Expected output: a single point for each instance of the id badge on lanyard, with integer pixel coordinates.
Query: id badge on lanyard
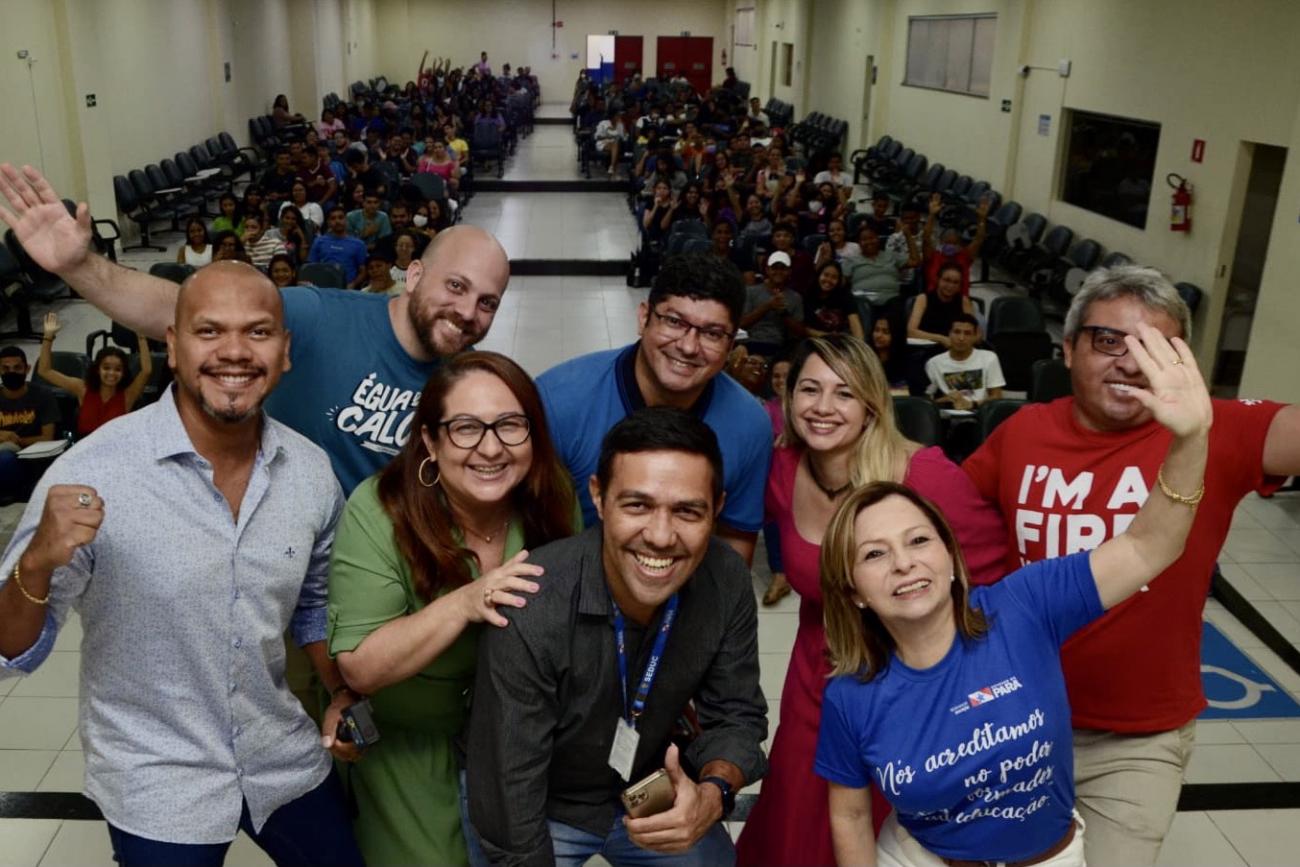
(622, 755)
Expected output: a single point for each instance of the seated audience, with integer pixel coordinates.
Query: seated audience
(231, 216)
(687, 326)
(876, 275)
(774, 313)
(227, 247)
(658, 214)
(754, 222)
(28, 414)
(830, 309)
(840, 434)
(837, 246)
(933, 313)
(802, 270)
(300, 199)
(909, 223)
(283, 270)
(104, 393)
(253, 203)
(608, 139)
(379, 278)
(547, 764)
(904, 629)
(280, 114)
(892, 360)
(722, 246)
(404, 252)
(260, 245)
(277, 181)
(369, 223)
(690, 206)
(337, 246)
(197, 249)
(950, 248)
(290, 233)
(964, 377)
(879, 219)
(426, 552)
(834, 173)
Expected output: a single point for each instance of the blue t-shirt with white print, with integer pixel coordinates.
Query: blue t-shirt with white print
(352, 389)
(975, 752)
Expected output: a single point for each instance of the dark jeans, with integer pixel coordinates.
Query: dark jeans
(312, 830)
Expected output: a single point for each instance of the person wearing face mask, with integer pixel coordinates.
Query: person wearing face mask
(840, 435)
(989, 776)
(104, 393)
(950, 249)
(27, 415)
(428, 551)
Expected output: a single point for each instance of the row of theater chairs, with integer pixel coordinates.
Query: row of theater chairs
(175, 189)
(24, 283)
(819, 133)
(920, 420)
(780, 114)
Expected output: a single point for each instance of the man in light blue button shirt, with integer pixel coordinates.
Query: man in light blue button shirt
(190, 535)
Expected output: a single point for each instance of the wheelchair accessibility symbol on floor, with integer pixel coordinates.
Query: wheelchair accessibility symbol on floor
(1235, 687)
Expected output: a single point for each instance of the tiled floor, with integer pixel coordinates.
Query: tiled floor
(547, 319)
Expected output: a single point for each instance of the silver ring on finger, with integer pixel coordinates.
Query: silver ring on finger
(84, 500)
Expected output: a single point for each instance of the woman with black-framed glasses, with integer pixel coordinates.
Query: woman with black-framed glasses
(426, 551)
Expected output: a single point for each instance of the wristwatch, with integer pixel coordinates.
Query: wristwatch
(728, 794)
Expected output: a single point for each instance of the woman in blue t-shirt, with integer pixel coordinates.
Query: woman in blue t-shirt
(953, 700)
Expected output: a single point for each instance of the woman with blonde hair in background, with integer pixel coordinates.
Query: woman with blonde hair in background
(840, 435)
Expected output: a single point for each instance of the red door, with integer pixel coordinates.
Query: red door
(669, 51)
(627, 57)
(697, 59)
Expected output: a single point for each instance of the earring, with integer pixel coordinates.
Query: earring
(860, 604)
(952, 579)
(419, 474)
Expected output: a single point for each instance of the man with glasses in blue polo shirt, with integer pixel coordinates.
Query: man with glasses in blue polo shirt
(687, 326)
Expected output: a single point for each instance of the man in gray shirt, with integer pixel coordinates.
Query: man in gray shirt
(577, 698)
(190, 535)
(773, 312)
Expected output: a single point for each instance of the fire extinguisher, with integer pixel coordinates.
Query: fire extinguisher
(1180, 210)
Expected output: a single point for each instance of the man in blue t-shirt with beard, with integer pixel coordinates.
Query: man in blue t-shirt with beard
(359, 361)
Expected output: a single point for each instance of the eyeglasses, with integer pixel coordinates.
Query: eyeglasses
(467, 433)
(1107, 341)
(677, 328)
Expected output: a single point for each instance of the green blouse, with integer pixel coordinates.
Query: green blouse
(406, 787)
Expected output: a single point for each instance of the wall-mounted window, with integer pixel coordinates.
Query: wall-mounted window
(745, 27)
(950, 52)
(787, 64)
(1109, 165)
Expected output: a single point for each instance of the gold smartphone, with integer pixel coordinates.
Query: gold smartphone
(652, 795)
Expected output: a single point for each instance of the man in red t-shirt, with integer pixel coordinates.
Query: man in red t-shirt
(1071, 474)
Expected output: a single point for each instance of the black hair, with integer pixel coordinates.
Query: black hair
(700, 277)
(880, 196)
(91, 377)
(660, 429)
(354, 157)
(14, 352)
(331, 211)
(379, 255)
(966, 318)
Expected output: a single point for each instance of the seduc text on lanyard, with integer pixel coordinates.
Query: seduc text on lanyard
(634, 710)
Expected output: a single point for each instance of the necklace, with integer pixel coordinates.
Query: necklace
(831, 493)
(485, 537)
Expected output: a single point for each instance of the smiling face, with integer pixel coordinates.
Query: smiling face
(657, 514)
(455, 289)
(1099, 402)
(901, 568)
(281, 273)
(484, 474)
(111, 371)
(228, 347)
(949, 284)
(824, 412)
(682, 364)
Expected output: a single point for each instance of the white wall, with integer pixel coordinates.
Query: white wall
(519, 32)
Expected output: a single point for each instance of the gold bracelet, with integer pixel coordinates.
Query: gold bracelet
(23, 590)
(1174, 495)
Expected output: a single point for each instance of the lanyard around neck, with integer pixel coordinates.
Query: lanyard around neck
(633, 711)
